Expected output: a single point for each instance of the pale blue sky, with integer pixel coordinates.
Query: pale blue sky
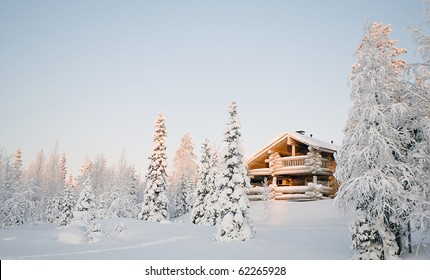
(93, 75)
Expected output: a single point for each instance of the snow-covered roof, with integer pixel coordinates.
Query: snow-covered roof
(319, 144)
(310, 141)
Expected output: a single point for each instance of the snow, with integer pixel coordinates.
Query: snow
(310, 141)
(292, 231)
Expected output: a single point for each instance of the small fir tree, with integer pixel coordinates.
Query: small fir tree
(206, 209)
(68, 203)
(85, 208)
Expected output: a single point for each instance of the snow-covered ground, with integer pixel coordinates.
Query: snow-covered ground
(291, 231)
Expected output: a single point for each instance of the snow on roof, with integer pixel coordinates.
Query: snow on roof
(310, 141)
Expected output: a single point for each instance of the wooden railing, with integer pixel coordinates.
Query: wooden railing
(293, 161)
(324, 163)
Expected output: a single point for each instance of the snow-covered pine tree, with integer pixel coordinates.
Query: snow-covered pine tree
(155, 202)
(102, 178)
(17, 167)
(36, 180)
(63, 167)
(53, 208)
(17, 200)
(21, 206)
(214, 210)
(180, 198)
(182, 178)
(206, 209)
(68, 203)
(85, 208)
(4, 192)
(235, 222)
(124, 201)
(7, 173)
(372, 170)
(366, 241)
(54, 175)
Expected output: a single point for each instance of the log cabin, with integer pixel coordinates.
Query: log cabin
(296, 166)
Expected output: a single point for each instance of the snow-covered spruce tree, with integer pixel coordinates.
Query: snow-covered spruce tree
(63, 167)
(17, 167)
(4, 193)
(85, 208)
(366, 241)
(206, 208)
(53, 208)
(182, 178)
(102, 178)
(36, 180)
(155, 202)
(67, 203)
(18, 199)
(374, 175)
(124, 201)
(21, 206)
(181, 196)
(235, 222)
(54, 175)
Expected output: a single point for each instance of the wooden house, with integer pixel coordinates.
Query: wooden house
(296, 166)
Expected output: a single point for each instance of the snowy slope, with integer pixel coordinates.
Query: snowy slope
(292, 230)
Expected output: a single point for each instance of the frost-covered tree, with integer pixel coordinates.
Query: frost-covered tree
(180, 196)
(54, 180)
(103, 180)
(419, 97)
(124, 203)
(235, 221)
(5, 192)
(155, 202)
(7, 173)
(376, 179)
(35, 178)
(63, 167)
(53, 208)
(36, 170)
(182, 179)
(266, 197)
(85, 208)
(67, 205)
(17, 167)
(366, 241)
(206, 208)
(20, 207)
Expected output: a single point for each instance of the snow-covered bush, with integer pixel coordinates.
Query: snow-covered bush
(366, 241)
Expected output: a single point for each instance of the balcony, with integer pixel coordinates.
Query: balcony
(297, 165)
